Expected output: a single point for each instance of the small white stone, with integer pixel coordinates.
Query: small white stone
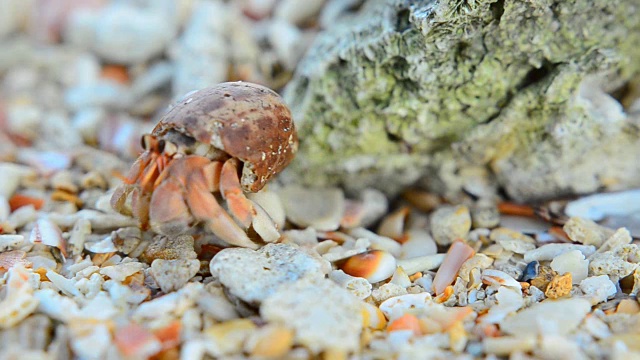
(121, 271)
(11, 242)
(171, 275)
(598, 288)
(550, 251)
(555, 316)
(572, 262)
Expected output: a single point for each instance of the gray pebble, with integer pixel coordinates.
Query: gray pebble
(171, 275)
(449, 223)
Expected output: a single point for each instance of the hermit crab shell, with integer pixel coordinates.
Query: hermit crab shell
(247, 121)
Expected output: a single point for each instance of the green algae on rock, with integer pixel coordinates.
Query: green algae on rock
(453, 93)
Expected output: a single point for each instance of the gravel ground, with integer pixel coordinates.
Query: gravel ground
(343, 278)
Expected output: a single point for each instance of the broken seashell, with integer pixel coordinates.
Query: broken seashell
(373, 317)
(19, 301)
(398, 305)
(550, 251)
(392, 225)
(358, 286)
(498, 278)
(137, 342)
(400, 278)
(374, 265)
(264, 225)
(418, 243)
(405, 322)
(48, 233)
(458, 253)
(377, 242)
(421, 263)
(271, 204)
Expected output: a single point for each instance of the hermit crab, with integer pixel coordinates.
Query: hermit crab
(209, 149)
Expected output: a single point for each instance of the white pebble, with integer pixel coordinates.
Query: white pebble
(572, 262)
(559, 316)
(598, 288)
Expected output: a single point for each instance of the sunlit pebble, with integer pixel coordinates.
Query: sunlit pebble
(375, 265)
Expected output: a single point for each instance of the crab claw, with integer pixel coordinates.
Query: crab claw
(140, 204)
(168, 212)
(204, 207)
(240, 207)
(119, 199)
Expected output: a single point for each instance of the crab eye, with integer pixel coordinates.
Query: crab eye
(146, 141)
(160, 146)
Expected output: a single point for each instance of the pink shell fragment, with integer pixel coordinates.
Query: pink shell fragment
(458, 253)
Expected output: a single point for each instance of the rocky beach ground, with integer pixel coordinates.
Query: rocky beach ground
(361, 271)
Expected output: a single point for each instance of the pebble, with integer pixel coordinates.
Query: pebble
(74, 112)
(617, 263)
(331, 321)
(530, 271)
(599, 288)
(171, 275)
(165, 248)
(253, 275)
(544, 277)
(512, 240)
(572, 262)
(121, 32)
(201, 52)
(322, 208)
(419, 243)
(586, 231)
(559, 286)
(485, 216)
(449, 223)
(563, 316)
(550, 251)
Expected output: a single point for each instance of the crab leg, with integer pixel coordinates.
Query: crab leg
(239, 206)
(204, 207)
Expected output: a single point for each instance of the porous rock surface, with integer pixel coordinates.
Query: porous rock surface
(331, 320)
(529, 95)
(252, 275)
